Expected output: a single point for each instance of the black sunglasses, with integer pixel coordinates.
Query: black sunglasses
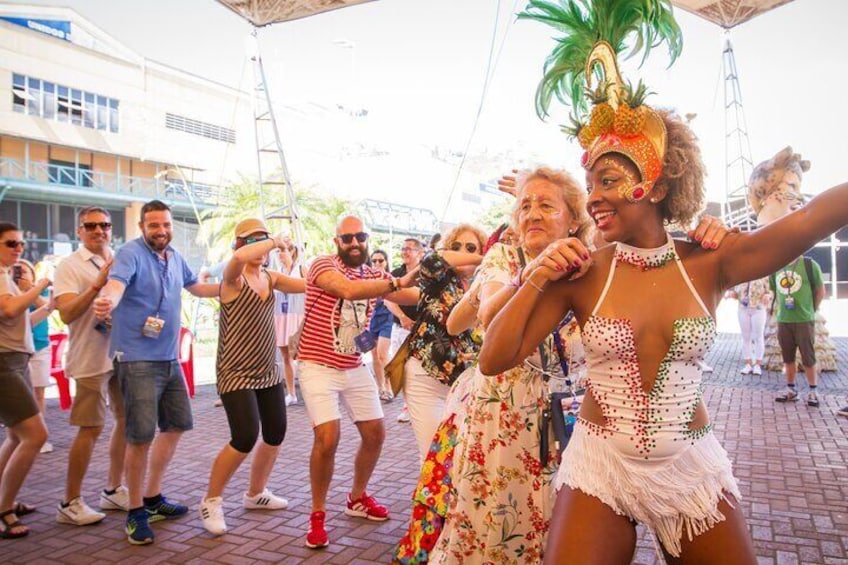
(470, 247)
(347, 238)
(91, 226)
(377, 260)
(12, 243)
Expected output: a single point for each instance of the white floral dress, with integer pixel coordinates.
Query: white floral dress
(502, 497)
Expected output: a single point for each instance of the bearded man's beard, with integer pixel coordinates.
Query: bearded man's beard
(353, 260)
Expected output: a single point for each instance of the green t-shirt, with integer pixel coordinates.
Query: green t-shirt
(792, 281)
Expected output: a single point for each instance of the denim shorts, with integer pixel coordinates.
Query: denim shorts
(153, 391)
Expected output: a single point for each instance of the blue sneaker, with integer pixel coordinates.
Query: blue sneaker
(165, 511)
(138, 528)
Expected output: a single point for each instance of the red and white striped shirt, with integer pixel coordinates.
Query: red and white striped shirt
(331, 323)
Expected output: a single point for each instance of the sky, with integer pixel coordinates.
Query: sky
(419, 68)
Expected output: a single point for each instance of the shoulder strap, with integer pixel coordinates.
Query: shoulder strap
(808, 265)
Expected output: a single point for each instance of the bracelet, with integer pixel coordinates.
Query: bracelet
(534, 285)
(516, 282)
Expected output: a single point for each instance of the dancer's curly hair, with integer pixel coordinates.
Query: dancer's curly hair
(683, 173)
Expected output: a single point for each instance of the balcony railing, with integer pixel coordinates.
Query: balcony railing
(143, 187)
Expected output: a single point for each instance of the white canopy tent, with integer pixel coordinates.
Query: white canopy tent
(265, 12)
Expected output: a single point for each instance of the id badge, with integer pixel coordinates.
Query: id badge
(789, 303)
(153, 327)
(365, 342)
(570, 411)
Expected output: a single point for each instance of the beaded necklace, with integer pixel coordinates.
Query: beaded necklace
(647, 259)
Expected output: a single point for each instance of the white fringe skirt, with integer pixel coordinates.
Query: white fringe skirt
(672, 496)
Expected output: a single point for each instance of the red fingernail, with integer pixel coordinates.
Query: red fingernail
(698, 238)
(586, 256)
(576, 264)
(715, 245)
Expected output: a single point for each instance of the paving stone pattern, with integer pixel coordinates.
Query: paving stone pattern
(790, 460)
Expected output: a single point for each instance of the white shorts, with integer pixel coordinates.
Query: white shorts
(322, 387)
(39, 367)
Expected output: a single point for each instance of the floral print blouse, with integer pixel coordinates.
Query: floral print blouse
(443, 356)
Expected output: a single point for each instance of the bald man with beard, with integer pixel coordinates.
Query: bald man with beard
(340, 293)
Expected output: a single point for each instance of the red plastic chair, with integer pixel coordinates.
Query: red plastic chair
(58, 343)
(186, 353)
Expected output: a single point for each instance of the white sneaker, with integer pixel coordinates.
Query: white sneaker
(46, 448)
(265, 500)
(291, 399)
(757, 370)
(212, 514)
(78, 513)
(403, 417)
(119, 500)
(747, 369)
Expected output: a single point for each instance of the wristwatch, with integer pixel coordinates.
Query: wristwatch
(393, 285)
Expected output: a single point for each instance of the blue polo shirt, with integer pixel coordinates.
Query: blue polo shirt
(152, 283)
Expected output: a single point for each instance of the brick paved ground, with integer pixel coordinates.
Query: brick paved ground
(790, 459)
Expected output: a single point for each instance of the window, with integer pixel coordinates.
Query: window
(64, 104)
(102, 113)
(19, 93)
(76, 107)
(203, 129)
(51, 101)
(113, 115)
(49, 90)
(89, 110)
(34, 96)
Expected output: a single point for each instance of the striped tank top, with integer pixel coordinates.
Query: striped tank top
(247, 344)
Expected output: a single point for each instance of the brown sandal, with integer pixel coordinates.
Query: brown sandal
(9, 525)
(22, 508)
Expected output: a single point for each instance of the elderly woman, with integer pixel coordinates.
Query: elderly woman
(496, 485)
(437, 358)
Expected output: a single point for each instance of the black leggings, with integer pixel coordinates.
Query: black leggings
(247, 408)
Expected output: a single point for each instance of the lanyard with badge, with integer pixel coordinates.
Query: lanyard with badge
(154, 324)
(790, 275)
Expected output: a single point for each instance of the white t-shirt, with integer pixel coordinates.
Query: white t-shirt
(15, 333)
(88, 349)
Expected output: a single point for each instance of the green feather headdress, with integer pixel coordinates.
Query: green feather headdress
(583, 23)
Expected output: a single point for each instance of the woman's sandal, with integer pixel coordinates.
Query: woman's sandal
(9, 525)
(22, 508)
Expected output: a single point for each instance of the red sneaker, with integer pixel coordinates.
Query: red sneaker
(366, 507)
(316, 537)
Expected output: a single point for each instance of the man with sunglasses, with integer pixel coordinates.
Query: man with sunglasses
(19, 412)
(79, 277)
(143, 297)
(340, 293)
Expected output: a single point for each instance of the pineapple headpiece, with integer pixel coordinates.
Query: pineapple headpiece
(594, 32)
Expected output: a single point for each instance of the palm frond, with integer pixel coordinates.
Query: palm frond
(640, 24)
